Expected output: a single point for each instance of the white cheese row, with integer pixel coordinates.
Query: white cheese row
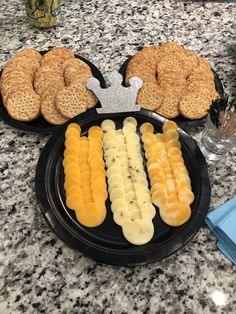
(127, 182)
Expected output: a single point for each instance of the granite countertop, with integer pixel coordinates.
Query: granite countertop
(40, 274)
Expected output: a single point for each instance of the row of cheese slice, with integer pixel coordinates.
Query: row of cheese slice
(130, 197)
(85, 176)
(169, 179)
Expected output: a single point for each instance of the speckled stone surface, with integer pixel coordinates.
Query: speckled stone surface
(38, 273)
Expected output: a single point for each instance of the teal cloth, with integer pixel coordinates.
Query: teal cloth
(222, 221)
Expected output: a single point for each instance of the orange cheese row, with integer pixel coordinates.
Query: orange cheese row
(85, 176)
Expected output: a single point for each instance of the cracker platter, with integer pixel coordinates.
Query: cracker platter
(178, 84)
(38, 77)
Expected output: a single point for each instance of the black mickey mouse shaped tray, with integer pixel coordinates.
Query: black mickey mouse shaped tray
(123, 188)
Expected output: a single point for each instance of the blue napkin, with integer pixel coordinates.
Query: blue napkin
(222, 221)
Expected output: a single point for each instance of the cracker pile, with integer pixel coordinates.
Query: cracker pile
(176, 81)
(18, 94)
(52, 84)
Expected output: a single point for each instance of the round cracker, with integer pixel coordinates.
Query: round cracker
(32, 62)
(21, 67)
(21, 62)
(177, 89)
(16, 74)
(50, 111)
(153, 52)
(190, 61)
(56, 82)
(74, 76)
(75, 70)
(29, 52)
(150, 96)
(171, 63)
(147, 57)
(201, 73)
(63, 51)
(171, 46)
(60, 53)
(86, 95)
(75, 64)
(167, 81)
(208, 92)
(81, 78)
(170, 103)
(14, 88)
(196, 84)
(202, 62)
(52, 60)
(49, 90)
(14, 81)
(194, 105)
(69, 103)
(23, 105)
(53, 67)
(142, 71)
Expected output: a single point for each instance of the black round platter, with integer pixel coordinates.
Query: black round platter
(106, 243)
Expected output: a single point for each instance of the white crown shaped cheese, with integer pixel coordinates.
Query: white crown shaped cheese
(116, 98)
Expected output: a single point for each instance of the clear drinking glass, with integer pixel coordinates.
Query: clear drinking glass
(43, 13)
(214, 144)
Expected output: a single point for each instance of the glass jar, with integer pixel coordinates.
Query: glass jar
(43, 13)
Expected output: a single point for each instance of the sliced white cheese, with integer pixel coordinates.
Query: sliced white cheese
(119, 204)
(117, 194)
(130, 120)
(139, 231)
(108, 124)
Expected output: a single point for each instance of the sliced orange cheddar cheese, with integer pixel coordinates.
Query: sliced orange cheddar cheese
(95, 131)
(71, 182)
(72, 168)
(74, 200)
(75, 126)
(71, 151)
(74, 189)
(99, 195)
(84, 139)
(71, 141)
(84, 169)
(73, 131)
(148, 138)
(96, 162)
(91, 215)
(70, 159)
(82, 160)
